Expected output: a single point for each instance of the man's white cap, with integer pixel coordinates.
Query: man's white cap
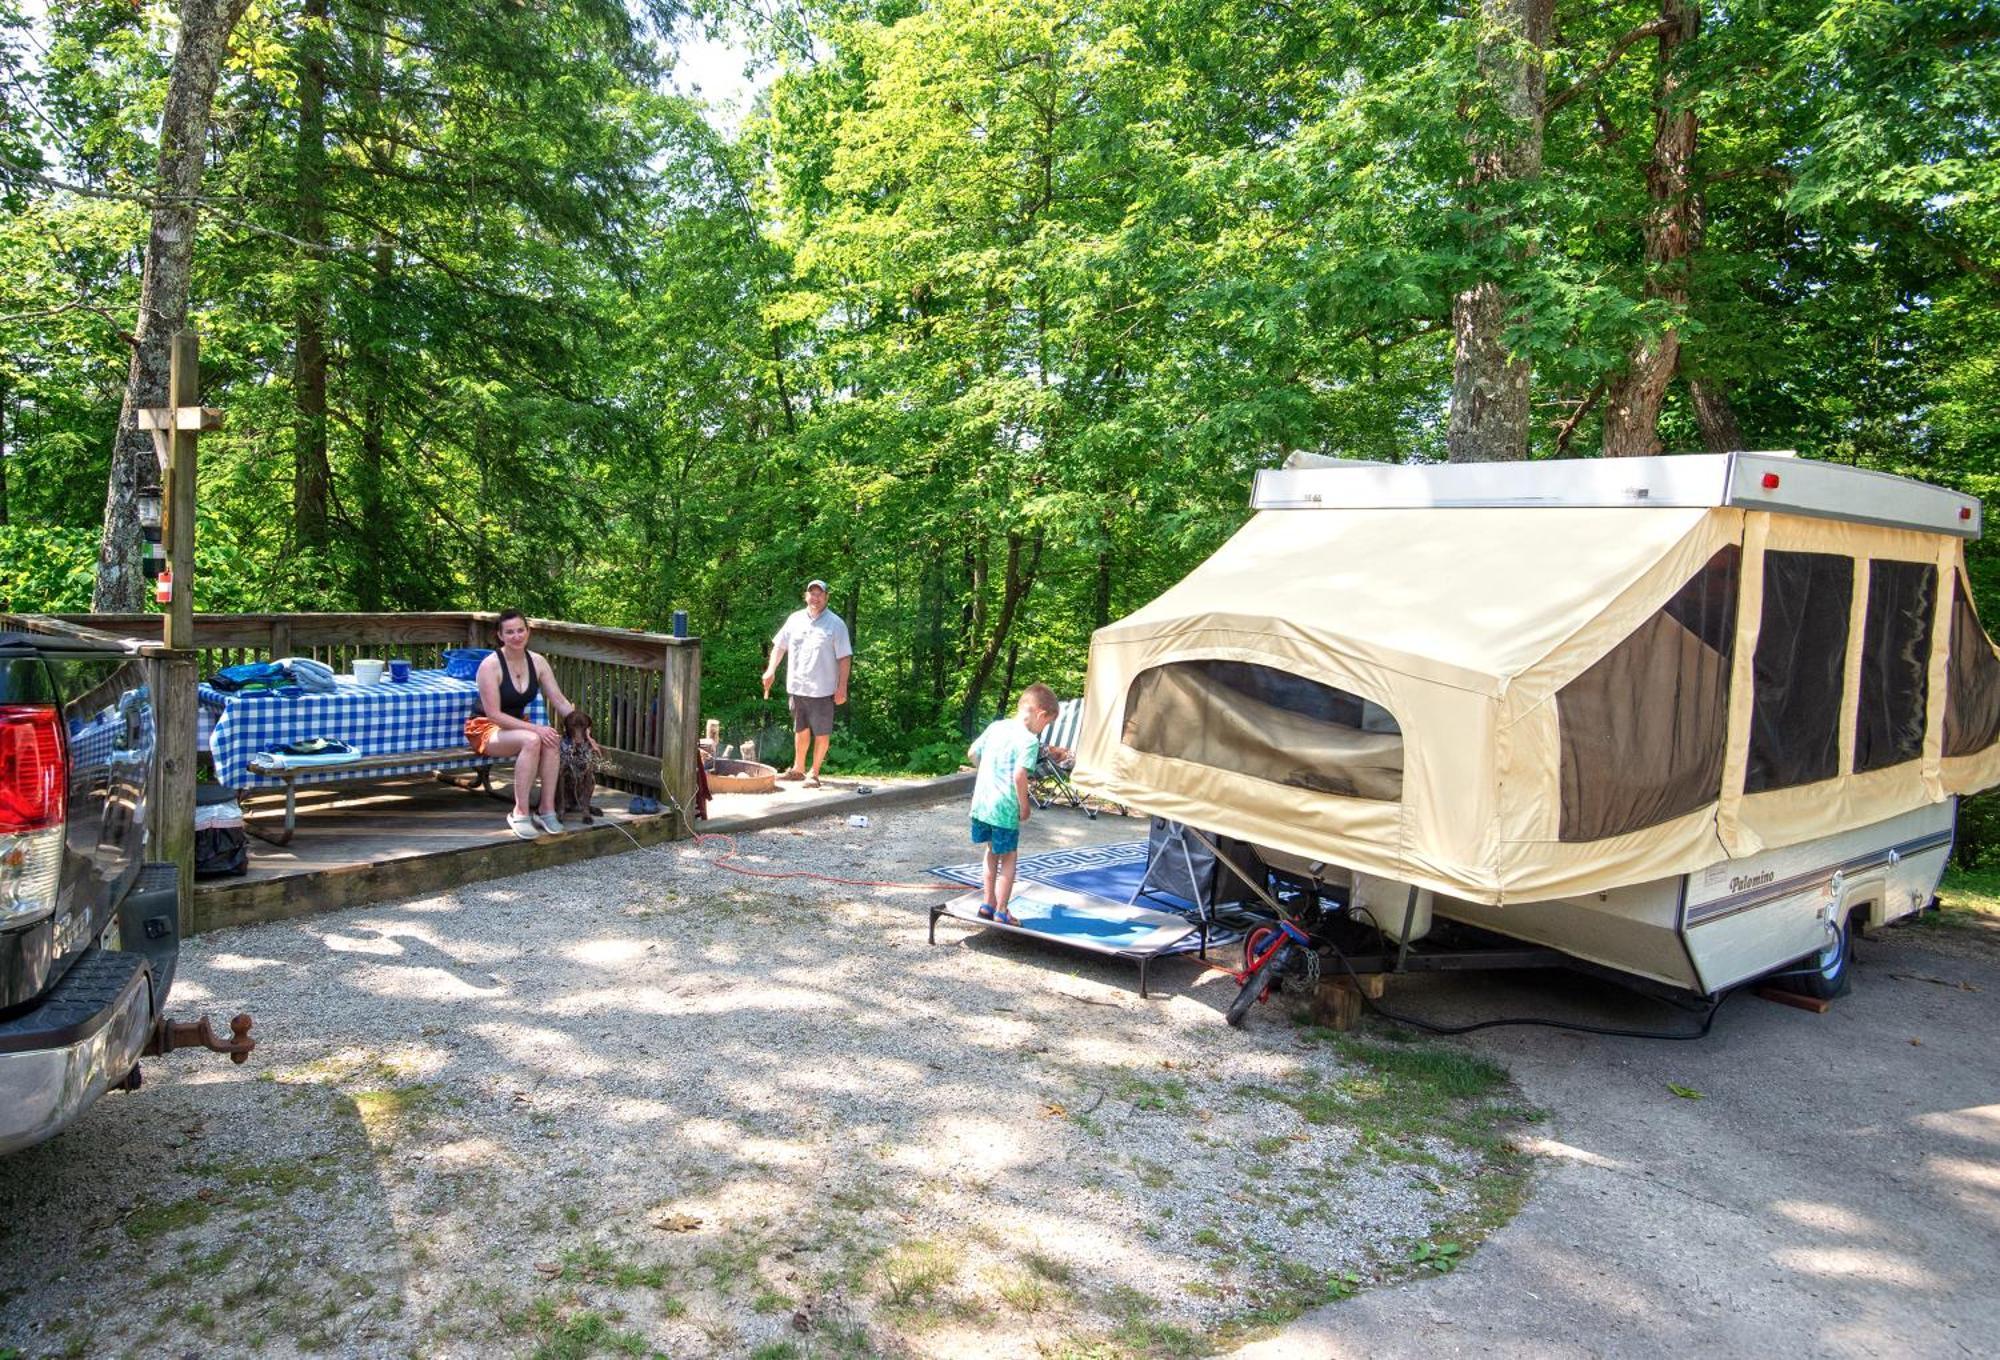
(815, 582)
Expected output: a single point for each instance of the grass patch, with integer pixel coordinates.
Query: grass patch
(1973, 892)
(1170, 1096)
(1140, 1332)
(387, 1110)
(562, 1331)
(598, 1264)
(915, 1272)
(149, 1221)
(1401, 1095)
(1046, 1267)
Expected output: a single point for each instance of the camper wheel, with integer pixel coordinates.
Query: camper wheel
(1829, 973)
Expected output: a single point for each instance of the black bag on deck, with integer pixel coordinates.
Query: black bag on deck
(221, 852)
(1172, 855)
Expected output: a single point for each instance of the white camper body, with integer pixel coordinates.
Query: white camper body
(1689, 718)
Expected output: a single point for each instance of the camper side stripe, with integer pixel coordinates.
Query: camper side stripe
(1705, 912)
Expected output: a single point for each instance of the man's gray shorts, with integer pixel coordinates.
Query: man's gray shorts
(814, 712)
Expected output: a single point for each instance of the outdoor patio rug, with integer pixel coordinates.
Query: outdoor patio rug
(1108, 873)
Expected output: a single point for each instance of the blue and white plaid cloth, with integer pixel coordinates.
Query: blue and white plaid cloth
(424, 713)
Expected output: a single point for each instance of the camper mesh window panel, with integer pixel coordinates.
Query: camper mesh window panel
(1642, 730)
(1895, 663)
(1268, 724)
(1801, 666)
(1972, 685)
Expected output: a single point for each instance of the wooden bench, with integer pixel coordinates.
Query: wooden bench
(365, 770)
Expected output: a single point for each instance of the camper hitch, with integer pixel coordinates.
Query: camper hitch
(169, 1035)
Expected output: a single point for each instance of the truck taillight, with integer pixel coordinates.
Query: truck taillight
(34, 784)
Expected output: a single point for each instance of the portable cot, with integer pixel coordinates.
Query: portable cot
(1508, 683)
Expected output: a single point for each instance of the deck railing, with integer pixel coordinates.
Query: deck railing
(642, 690)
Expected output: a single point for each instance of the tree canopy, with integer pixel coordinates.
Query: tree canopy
(987, 311)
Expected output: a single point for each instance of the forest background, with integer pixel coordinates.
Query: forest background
(985, 311)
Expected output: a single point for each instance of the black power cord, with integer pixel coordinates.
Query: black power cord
(1540, 1022)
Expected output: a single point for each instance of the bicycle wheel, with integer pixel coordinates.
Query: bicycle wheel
(1256, 983)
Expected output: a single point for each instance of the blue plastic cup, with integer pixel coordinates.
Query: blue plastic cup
(399, 669)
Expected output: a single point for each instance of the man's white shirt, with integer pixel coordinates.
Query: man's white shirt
(813, 651)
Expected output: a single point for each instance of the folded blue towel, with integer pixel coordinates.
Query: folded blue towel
(311, 675)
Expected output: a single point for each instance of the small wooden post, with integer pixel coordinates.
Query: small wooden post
(1336, 1003)
(680, 709)
(281, 638)
(183, 393)
(176, 430)
(175, 723)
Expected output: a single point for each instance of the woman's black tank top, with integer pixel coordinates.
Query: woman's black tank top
(514, 702)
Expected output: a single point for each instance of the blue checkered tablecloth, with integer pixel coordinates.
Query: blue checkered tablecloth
(424, 713)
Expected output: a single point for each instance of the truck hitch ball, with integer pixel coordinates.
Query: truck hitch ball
(173, 1034)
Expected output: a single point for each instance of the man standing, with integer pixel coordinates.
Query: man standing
(816, 641)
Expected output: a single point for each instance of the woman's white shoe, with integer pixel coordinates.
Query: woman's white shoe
(549, 822)
(522, 825)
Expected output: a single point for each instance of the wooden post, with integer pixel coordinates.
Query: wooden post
(680, 710)
(281, 638)
(183, 392)
(170, 816)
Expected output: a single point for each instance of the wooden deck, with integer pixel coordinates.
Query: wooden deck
(381, 842)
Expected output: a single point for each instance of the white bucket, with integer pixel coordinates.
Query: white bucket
(368, 670)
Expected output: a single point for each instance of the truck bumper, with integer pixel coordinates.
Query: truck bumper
(83, 1039)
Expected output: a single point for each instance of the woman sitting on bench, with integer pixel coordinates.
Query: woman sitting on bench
(509, 680)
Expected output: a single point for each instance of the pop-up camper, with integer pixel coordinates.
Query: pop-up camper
(1685, 717)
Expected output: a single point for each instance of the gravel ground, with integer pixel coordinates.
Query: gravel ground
(647, 1105)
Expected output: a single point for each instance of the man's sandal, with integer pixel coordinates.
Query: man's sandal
(522, 825)
(1005, 917)
(985, 911)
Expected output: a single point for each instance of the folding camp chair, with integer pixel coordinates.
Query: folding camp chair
(1048, 782)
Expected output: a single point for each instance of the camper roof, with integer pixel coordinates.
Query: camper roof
(1777, 481)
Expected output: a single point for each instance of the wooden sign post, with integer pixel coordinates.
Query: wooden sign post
(175, 429)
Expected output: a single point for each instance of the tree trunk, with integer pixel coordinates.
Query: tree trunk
(374, 377)
(1720, 432)
(163, 290)
(4, 394)
(1019, 580)
(1100, 597)
(312, 477)
(1489, 386)
(1632, 403)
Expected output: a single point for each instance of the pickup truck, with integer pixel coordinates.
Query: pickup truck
(89, 930)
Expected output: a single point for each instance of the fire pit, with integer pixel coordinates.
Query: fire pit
(741, 776)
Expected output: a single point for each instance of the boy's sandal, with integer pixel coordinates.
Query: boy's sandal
(1005, 917)
(521, 826)
(985, 911)
(812, 781)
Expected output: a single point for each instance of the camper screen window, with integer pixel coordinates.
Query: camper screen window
(1895, 663)
(1801, 667)
(1643, 729)
(1268, 724)
(1972, 695)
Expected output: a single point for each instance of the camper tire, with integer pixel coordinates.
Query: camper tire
(1829, 973)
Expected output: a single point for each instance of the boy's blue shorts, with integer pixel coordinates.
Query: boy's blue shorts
(1004, 840)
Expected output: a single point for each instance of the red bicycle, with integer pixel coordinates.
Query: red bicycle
(1267, 952)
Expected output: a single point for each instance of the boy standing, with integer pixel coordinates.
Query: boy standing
(1006, 753)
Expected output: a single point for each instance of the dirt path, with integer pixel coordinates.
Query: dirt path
(645, 1105)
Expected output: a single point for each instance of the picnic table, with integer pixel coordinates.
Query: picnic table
(422, 718)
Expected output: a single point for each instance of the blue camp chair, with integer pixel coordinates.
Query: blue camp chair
(1049, 782)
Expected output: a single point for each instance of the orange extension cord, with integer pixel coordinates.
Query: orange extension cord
(721, 861)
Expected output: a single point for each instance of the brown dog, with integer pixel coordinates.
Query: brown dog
(576, 773)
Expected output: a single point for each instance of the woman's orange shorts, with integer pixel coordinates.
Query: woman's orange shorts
(479, 730)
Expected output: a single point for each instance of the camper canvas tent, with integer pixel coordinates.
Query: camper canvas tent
(1514, 683)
